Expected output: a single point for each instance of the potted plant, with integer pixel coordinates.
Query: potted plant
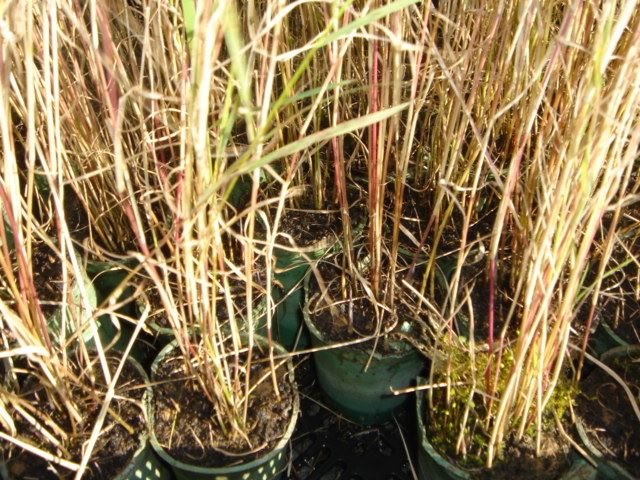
(355, 296)
(498, 390)
(225, 400)
(61, 389)
(303, 237)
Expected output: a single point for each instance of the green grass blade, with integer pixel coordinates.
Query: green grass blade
(323, 135)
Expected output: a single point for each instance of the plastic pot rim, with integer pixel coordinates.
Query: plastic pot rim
(321, 246)
(290, 249)
(259, 310)
(611, 465)
(616, 352)
(143, 437)
(426, 445)
(242, 467)
(401, 347)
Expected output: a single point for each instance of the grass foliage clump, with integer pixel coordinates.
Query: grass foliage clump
(493, 146)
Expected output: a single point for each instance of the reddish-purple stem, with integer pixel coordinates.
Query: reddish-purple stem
(373, 168)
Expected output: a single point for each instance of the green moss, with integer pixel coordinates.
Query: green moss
(445, 421)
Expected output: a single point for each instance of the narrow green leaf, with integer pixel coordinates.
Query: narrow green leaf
(370, 17)
(189, 14)
(326, 134)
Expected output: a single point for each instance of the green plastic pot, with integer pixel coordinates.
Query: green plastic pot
(145, 464)
(269, 466)
(604, 339)
(162, 336)
(287, 327)
(240, 194)
(433, 466)
(363, 396)
(76, 309)
(607, 469)
(292, 267)
(107, 277)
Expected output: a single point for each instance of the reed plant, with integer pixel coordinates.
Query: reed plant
(56, 390)
(537, 134)
(227, 103)
(381, 67)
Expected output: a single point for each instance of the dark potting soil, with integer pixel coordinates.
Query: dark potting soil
(46, 268)
(309, 227)
(473, 279)
(413, 218)
(157, 312)
(47, 278)
(185, 420)
(75, 215)
(517, 459)
(607, 415)
(348, 319)
(337, 329)
(619, 309)
(115, 446)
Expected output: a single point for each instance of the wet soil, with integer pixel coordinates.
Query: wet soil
(607, 415)
(185, 420)
(114, 448)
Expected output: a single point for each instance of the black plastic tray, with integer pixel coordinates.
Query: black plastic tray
(325, 446)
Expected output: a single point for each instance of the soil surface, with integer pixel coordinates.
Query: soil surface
(308, 227)
(75, 215)
(185, 420)
(46, 269)
(347, 319)
(114, 448)
(607, 415)
(516, 460)
(519, 460)
(474, 280)
(413, 218)
(47, 278)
